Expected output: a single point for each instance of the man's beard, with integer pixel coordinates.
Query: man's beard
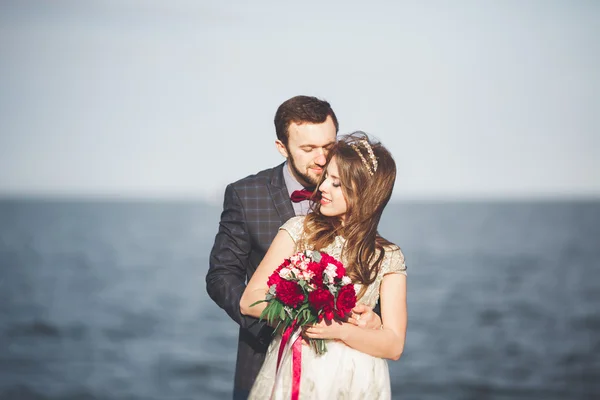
(311, 180)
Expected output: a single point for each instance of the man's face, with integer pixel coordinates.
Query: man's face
(307, 149)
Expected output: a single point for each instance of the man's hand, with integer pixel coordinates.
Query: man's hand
(364, 317)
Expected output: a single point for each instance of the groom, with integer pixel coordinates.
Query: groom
(253, 210)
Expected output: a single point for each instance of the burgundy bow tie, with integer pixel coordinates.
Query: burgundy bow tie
(300, 195)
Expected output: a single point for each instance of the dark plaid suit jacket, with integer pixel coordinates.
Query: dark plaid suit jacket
(253, 210)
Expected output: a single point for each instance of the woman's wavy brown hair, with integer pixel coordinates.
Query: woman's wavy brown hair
(366, 196)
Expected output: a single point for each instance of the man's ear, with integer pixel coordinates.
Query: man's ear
(281, 148)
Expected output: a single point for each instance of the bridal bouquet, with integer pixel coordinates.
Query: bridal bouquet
(305, 289)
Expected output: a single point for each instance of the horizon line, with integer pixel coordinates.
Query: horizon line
(182, 198)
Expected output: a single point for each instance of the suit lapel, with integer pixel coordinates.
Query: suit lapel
(280, 195)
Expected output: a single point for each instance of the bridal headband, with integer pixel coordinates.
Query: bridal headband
(370, 168)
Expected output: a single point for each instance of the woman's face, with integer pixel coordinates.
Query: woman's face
(333, 203)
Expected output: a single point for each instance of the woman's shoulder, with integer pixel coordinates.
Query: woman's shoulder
(294, 221)
(294, 226)
(392, 248)
(394, 261)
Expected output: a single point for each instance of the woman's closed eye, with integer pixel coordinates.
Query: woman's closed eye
(334, 182)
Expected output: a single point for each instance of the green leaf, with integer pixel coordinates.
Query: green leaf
(282, 314)
(273, 312)
(300, 319)
(316, 256)
(264, 313)
(258, 302)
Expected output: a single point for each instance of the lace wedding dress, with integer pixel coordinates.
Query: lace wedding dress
(342, 372)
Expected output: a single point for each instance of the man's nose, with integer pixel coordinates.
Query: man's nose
(321, 159)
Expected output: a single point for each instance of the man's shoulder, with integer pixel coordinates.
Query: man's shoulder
(261, 178)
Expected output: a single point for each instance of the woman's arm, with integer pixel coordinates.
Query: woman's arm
(387, 342)
(281, 248)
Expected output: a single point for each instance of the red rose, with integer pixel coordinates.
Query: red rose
(329, 315)
(340, 271)
(289, 293)
(284, 264)
(317, 269)
(346, 300)
(274, 279)
(321, 300)
(327, 259)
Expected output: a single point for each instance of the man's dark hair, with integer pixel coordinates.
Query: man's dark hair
(301, 110)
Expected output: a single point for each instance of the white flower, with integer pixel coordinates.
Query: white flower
(285, 273)
(331, 272)
(302, 265)
(272, 292)
(346, 280)
(297, 258)
(307, 275)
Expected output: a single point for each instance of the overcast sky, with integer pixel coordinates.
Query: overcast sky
(176, 98)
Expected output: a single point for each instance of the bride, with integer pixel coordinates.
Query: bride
(354, 190)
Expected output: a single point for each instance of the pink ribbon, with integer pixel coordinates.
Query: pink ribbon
(296, 359)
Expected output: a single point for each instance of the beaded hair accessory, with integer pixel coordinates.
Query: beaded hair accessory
(370, 168)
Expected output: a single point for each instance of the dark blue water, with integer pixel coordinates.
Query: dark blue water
(103, 300)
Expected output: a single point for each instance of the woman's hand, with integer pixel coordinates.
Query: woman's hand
(326, 330)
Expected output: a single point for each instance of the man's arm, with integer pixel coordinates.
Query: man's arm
(226, 277)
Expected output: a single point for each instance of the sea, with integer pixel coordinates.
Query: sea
(106, 299)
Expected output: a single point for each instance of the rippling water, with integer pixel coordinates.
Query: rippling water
(107, 301)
